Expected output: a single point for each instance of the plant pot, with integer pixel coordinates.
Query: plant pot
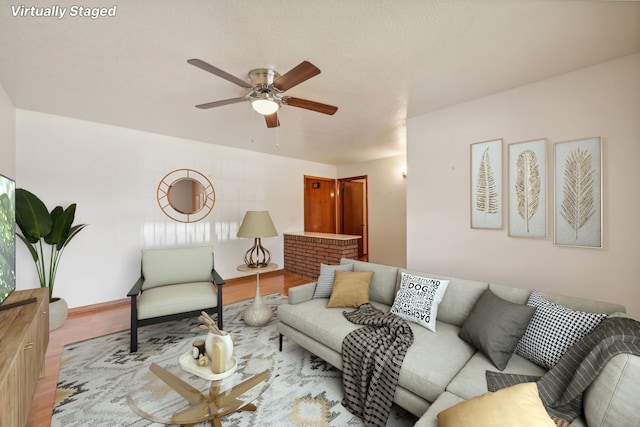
(58, 310)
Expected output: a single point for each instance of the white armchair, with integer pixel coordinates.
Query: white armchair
(175, 283)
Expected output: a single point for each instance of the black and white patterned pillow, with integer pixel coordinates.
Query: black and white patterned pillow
(552, 330)
(324, 285)
(418, 298)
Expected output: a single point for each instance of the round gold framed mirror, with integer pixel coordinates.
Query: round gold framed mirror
(186, 195)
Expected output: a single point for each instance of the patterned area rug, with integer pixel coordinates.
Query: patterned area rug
(306, 391)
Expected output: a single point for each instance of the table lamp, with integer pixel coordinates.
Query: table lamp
(257, 224)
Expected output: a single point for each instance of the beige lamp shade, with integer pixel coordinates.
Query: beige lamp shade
(257, 224)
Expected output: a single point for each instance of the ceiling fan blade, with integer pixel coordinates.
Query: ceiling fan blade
(220, 103)
(298, 74)
(272, 120)
(218, 72)
(310, 105)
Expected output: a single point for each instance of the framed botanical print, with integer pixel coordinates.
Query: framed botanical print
(578, 193)
(527, 188)
(486, 184)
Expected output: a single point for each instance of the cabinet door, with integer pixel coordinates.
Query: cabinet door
(18, 388)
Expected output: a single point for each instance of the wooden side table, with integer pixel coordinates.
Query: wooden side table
(258, 313)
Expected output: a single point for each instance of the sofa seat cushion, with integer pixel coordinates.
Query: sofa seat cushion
(429, 365)
(314, 319)
(471, 381)
(433, 360)
(444, 401)
(180, 298)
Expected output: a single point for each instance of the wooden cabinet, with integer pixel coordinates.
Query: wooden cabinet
(24, 336)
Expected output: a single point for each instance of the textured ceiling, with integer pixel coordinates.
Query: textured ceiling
(382, 62)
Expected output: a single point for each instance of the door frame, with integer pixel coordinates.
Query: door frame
(340, 207)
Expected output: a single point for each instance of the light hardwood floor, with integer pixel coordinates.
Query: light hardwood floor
(102, 319)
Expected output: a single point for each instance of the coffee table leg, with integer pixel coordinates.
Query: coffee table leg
(214, 401)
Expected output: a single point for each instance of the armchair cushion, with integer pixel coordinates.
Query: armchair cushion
(162, 267)
(171, 299)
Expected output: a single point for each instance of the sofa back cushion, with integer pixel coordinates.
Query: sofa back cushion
(520, 296)
(459, 299)
(171, 266)
(383, 282)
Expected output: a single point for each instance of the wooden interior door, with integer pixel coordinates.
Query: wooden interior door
(354, 211)
(319, 204)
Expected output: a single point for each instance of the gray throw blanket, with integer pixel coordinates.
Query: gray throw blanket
(561, 388)
(371, 361)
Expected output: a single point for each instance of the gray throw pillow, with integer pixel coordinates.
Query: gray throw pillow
(324, 285)
(495, 326)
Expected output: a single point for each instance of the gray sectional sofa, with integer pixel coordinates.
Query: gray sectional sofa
(440, 369)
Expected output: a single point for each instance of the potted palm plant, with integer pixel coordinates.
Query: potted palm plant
(41, 228)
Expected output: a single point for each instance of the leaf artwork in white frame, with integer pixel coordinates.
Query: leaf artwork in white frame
(578, 193)
(486, 184)
(527, 188)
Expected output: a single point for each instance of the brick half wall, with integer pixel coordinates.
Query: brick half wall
(303, 254)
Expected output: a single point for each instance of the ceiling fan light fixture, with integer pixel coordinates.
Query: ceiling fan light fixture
(265, 106)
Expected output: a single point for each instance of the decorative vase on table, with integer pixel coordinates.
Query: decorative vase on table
(226, 340)
(58, 310)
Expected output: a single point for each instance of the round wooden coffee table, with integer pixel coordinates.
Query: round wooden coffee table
(163, 392)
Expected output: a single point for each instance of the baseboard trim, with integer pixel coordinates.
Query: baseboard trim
(88, 309)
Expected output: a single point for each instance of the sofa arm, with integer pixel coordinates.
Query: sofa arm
(301, 293)
(612, 399)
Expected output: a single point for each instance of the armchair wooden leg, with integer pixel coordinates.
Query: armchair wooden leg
(134, 339)
(219, 309)
(133, 347)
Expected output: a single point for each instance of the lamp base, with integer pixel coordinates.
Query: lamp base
(258, 313)
(257, 256)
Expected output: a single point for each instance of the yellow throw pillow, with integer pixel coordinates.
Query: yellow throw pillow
(350, 289)
(515, 406)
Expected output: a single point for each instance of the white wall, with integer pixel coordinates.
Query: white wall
(602, 100)
(7, 135)
(112, 173)
(387, 207)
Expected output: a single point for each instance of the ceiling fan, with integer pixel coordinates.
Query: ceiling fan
(266, 90)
